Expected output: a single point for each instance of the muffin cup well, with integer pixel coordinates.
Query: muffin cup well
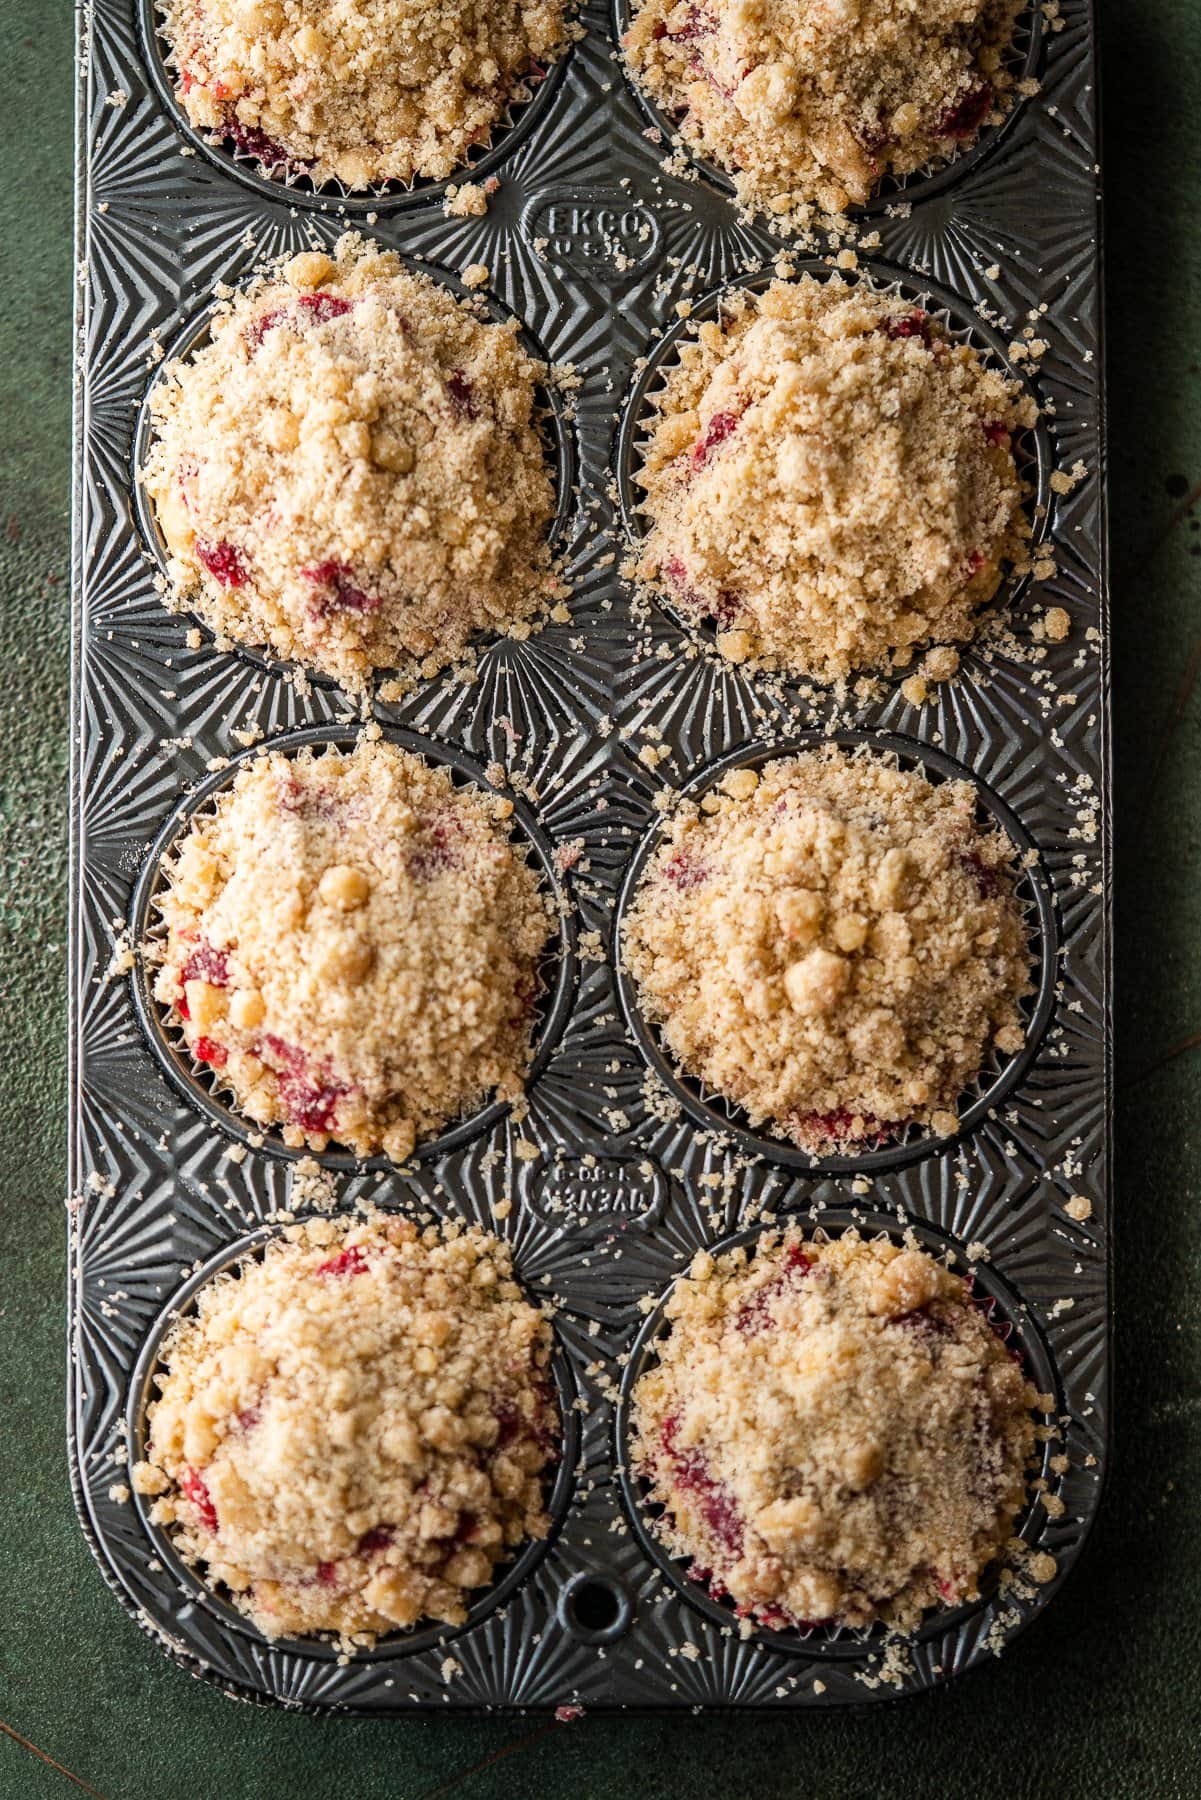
(552, 419)
(1023, 60)
(1032, 448)
(530, 101)
(510, 1574)
(999, 1077)
(202, 1087)
(991, 1294)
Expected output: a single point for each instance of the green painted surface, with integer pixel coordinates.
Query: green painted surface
(1101, 1696)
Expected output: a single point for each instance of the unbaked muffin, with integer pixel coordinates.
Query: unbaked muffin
(350, 470)
(830, 478)
(360, 94)
(351, 942)
(808, 103)
(351, 1431)
(834, 943)
(835, 1432)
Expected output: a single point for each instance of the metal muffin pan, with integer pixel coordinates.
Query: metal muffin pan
(614, 1179)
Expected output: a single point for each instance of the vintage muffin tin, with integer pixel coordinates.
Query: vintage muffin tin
(614, 1178)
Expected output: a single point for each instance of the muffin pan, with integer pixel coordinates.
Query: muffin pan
(617, 1172)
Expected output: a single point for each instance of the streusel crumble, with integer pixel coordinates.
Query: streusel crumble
(351, 1431)
(833, 943)
(352, 944)
(363, 94)
(835, 1432)
(809, 103)
(830, 477)
(351, 472)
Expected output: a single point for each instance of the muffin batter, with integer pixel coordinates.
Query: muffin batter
(836, 946)
(837, 1435)
(350, 471)
(381, 90)
(351, 944)
(808, 103)
(352, 1430)
(831, 479)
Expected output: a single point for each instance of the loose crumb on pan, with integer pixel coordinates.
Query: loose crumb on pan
(830, 478)
(833, 943)
(361, 94)
(835, 1432)
(350, 471)
(351, 943)
(352, 1430)
(810, 103)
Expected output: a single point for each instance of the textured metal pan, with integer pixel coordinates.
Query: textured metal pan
(614, 1181)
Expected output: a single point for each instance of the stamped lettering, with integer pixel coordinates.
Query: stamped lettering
(601, 232)
(611, 1189)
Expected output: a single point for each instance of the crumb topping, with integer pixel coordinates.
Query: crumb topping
(835, 1432)
(830, 478)
(351, 1430)
(834, 943)
(350, 471)
(362, 94)
(812, 102)
(352, 945)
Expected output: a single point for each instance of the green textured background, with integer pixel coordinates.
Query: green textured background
(1101, 1695)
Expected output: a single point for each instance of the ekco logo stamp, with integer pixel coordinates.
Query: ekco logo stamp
(610, 1189)
(601, 232)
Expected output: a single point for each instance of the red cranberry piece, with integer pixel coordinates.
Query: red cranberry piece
(658, 31)
(683, 871)
(322, 307)
(963, 119)
(996, 431)
(206, 964)
(754, 1315)
(372, 1542)
(461, 394)
(508, 1420)
(924, 1322)
(467, 1531)
(441, 848)
(309, 1101)
(726, 608)
(817, 1131)
(193, 1485)
(719, 428)
(327, 1574)
(677, 575)
(915, 324)
(258, 329)
(247, 1420)
(690, 1472)
(348, 1261)
(304, 801)
(988, 885)
(253, 142)
(209, 1050)
(697, 24)
(340, 593)
(873, 135)
(224, 562)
